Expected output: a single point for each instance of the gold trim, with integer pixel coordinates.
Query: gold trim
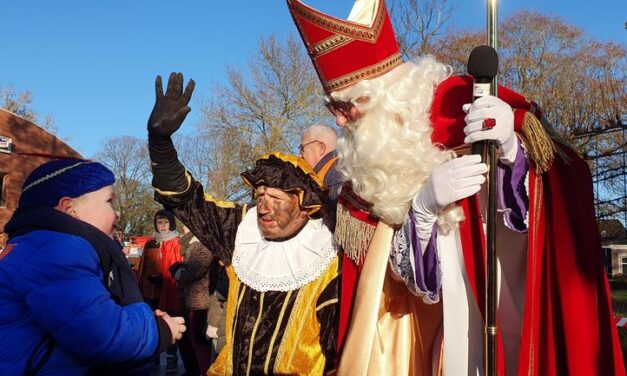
(538, 204)
(352, 234)
(330, 44)
(302, 325)
(239, 302)
(252, 335)
(304, 297)
(241, 296)
(370, 72)
(301, 165)
(538, 143)
(296, 161)
(537, 207)
(170, 193)
(335, 25)
(276, 332)
(461, 150)
(219, 203)
(327, 303)
(224, 363)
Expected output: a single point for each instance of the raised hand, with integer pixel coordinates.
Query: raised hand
(170, 109)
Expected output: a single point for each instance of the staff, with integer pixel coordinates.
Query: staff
(491, 266)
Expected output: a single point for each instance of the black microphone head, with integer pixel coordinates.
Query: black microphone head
(483, 63)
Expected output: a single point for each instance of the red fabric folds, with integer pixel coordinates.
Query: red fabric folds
(170, 254)
(568, 326)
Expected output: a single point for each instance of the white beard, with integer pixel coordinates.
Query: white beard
(387, 164)
(387, 154)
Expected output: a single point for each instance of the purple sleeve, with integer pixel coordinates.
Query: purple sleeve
(513, 200)
(419, 270)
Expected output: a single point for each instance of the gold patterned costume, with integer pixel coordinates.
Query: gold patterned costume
(283, 295)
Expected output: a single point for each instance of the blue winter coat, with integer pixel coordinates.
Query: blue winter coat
(53, 283)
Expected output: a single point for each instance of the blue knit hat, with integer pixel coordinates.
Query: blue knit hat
(53, 180)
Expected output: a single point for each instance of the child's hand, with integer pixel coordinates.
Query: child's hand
(176, 325)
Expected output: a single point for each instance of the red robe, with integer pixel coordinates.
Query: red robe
(567, 326)
(169, 300)
(568, 322)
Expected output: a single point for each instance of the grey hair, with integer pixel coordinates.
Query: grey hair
(323, 133)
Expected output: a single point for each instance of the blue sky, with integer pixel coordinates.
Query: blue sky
(91, 64)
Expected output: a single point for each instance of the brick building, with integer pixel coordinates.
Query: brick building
(23, 146)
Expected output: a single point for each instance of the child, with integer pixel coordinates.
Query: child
(69, 303)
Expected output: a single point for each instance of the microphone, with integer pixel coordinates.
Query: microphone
(483, 65)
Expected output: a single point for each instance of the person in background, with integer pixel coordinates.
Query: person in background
(167, 248)
(216, 314)
(166, 240)
(192, 276)
(150, 279)
(317, 147)
(69, 302)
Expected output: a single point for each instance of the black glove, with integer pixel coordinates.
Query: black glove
(170, 109)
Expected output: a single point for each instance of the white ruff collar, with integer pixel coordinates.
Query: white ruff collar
(281, 266)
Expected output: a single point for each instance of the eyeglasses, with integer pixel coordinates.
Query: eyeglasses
(339, 107)
(302, 147)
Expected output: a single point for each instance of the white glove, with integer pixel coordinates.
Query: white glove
(212, 332)
(451, 181)
(491, 107)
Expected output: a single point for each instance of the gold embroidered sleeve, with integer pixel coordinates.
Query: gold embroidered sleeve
(213, 222)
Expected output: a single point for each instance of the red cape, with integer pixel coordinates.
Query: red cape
(567, 325)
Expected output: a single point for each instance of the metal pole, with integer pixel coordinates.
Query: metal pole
(491, 262)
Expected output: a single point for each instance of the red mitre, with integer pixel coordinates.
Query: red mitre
(447, 116)
(345, 52)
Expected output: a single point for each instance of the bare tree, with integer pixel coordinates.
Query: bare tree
(582, 87)
(455, 48)
(418, 24)
(580, 83)
(261, 109)
(194, 151)
(128, 158)
(20, 103)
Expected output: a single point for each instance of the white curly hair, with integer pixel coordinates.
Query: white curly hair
(387, 154)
